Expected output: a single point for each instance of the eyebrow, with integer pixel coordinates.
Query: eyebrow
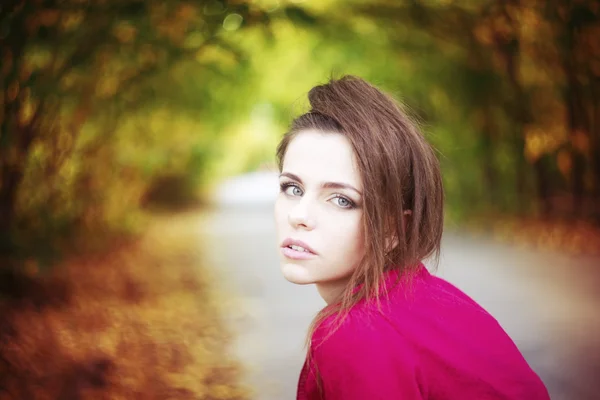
(325, 185)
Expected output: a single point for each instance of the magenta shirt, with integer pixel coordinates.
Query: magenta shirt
(428, 341)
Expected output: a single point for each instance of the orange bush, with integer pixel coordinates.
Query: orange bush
(569, 237)
(139, 323)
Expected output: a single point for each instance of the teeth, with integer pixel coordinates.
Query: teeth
(297, 248)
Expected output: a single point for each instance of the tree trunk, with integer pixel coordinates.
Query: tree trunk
(490, 173)
(595, 149)
(12, 16)
(578, 122)
(578, 129)
(518, 109)
(543, 186)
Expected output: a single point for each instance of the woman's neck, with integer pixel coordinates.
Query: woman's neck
(331, 291)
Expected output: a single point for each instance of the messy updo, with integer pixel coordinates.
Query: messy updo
(402, 186)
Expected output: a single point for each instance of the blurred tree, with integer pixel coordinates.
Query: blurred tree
(576, 26)
(91, 87)
(526, 77)
(71, 62)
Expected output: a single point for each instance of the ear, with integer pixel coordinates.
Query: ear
(391, 241)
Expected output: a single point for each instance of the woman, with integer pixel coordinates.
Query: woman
(361, 204)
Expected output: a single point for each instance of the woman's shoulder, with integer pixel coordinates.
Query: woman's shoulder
(361, 354)
(367, 323)
(364, 328)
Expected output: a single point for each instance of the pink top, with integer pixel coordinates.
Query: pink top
(428, 341)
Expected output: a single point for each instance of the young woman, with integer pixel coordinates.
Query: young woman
(361, 204)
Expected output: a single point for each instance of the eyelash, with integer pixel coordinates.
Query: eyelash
(285, 185)
(351, 204)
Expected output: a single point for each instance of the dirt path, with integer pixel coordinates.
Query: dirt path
(546, 302)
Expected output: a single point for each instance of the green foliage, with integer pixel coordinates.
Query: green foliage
(300, 16)
(102, 101)
(504, 82)
(82, 79)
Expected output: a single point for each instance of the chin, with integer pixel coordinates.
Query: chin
(295, 273)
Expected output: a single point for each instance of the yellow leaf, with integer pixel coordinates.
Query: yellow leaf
(125, 33)
(12, 91)
(187, 12)
(564, 162)
(581, 141)
(7, 61)
(48, 17)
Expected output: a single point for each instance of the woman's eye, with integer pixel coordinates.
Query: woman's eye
(291, 189)
(343, 202)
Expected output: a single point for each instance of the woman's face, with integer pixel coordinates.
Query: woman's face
(318, 212)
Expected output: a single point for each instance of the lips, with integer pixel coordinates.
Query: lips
(297, 250)
(297, 245)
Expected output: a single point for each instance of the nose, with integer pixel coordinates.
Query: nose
(299, 216)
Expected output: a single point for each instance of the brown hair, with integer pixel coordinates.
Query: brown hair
(399, 171)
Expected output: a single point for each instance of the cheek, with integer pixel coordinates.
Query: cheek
(280, 212)
(356, 237)
(347, 234)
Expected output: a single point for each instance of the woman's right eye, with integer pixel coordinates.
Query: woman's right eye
(291, 189)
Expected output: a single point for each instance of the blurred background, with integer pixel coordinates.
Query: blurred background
(137, 177)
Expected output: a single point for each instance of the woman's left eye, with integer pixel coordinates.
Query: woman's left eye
(343, 202)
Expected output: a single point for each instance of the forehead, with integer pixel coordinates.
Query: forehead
(322, 157)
